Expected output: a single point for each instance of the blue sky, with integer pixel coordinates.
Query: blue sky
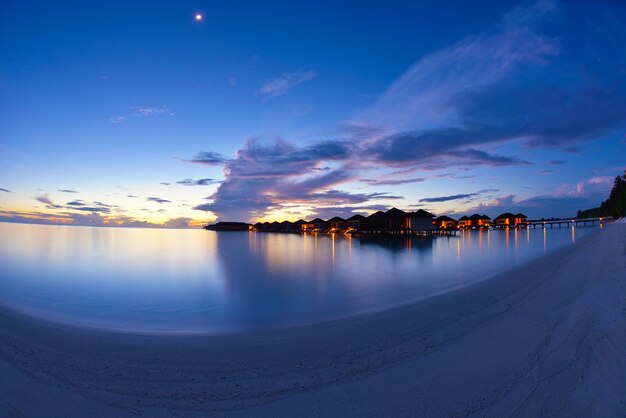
(139, 115)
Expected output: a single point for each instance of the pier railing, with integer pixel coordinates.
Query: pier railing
(560, 223)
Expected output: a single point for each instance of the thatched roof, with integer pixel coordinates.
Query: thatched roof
(421, 213)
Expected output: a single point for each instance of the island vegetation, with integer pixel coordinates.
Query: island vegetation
(614, 206)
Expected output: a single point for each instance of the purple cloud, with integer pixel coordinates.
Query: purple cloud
(392, 182)
(158, 200)
(47, 201)
(504, 85)
(562, 202)
(199, 182)
(92, 219)
(92, 209)
(81, 205)
(457, 196)
(268, 174)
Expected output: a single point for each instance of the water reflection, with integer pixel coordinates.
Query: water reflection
(399, 244)
(201, 281)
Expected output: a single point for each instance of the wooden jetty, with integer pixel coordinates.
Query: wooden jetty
(561, 223)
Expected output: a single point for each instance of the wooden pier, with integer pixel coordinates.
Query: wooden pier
(408, 232)
(564, 223)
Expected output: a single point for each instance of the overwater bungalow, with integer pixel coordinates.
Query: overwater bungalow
(321, 225)
(510, 220)
(375, 223)
(396, 220)
(316, 225)
(478, 221)
(445, 222)
(228, 226)
(297, 225)
(309, 226)
(464, 222)
(274, 226)
(420, 220)
(354, 222)
(285, 226)
(504, 220)
(393, 222)
(337, 224)
(521, 219)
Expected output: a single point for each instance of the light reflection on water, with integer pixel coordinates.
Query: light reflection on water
(157, 280)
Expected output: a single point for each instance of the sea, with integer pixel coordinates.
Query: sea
(205, 282)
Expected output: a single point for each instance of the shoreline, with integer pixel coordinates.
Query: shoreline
(540, 339)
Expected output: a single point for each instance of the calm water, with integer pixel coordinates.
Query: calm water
(200, 281)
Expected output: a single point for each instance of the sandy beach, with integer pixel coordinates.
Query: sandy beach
(544, 339)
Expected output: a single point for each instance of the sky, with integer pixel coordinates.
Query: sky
(139, 113)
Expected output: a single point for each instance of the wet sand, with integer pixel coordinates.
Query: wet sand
(544, 339)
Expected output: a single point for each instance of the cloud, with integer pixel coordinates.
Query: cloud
(67, 191)
(158, 200)
(269, 175)
(563, 202)
(164, 183)
(596, 186)
(181, 223)
(556, 162)
(345, 212)
(447, 198)
(199, 182)
(141, 112)
(232, 81)
(154, 110)
(392, 182)
(105, 205)
(287, 81)
(4, 190)
(208, 158)
(92, 219)
(47, 201)
(92, 209)
(457, 196)
(117, 119)
(439, 148)
(338, 197)
(44, 199)
(425, 95)
(507, 84)
(536, 207)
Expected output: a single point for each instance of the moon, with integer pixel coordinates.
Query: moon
(198, 17)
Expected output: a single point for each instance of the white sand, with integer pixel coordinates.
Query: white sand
(545, 339)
